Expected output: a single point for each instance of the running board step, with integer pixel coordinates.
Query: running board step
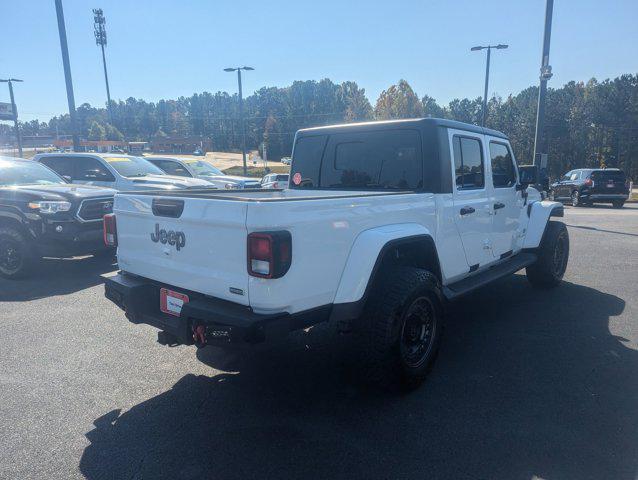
(512, 265)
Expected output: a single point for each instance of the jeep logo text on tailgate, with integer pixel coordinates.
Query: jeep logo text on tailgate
(171, 237)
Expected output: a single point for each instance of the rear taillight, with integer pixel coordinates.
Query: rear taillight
(110, 230)
(269, 254)
(588, 182)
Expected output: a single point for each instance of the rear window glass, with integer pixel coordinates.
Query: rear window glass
(608, 175)
(384, 160)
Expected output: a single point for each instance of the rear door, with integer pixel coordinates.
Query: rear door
(196, 243)
(472, 202)
(507, 201)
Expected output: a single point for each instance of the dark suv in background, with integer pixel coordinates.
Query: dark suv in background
(586, 186)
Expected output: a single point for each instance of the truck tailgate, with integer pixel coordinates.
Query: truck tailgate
(198, 244)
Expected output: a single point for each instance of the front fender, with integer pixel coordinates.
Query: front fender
(364, 253)
(539, 213)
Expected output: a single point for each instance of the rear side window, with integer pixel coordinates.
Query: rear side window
(503, 173)
(61, 165)
(468, 163)
(306, 161)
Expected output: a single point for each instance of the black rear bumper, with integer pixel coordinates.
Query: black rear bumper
(605, 196)
(225, 322)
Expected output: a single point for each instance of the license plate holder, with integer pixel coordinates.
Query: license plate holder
(171, 302)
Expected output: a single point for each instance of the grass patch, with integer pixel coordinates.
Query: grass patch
(257, 171)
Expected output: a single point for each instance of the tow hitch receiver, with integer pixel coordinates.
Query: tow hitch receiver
(209, 334)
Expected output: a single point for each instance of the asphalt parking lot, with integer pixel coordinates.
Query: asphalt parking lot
(529, 384)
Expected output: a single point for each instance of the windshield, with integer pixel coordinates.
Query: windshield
(26, 173)
(133, 166)
(203, 168)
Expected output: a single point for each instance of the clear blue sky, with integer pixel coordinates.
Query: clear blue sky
(167, 48)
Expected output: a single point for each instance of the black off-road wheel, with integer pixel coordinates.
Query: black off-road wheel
(16, 255)
(553, 254)
(618, 204)
(399, 332)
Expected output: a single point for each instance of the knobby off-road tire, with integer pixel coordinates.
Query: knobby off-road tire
(553, 254)
(399, 333)
(16, 254)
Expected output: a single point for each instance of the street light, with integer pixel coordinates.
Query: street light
(100, 40)
(70, 97)
(540, 138)
(241, 112)
(14, 110)
(489, 48)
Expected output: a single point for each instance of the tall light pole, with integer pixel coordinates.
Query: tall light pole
(100, 40)
(487, 73)
(241, 112)
(67, 74)
(15, 111)
(540, 139)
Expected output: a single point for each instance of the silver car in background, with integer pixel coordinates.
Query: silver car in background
(275, 180)
(120, 172)
(201, 169)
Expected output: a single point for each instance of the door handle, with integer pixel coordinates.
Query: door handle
(499, 205)
(467, 210)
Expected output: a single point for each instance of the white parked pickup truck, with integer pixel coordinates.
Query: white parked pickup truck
(120, 172)
(382, 224)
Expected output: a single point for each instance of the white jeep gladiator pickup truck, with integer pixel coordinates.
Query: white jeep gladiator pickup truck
(382, 224)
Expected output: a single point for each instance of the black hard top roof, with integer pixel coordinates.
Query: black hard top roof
(406, 123)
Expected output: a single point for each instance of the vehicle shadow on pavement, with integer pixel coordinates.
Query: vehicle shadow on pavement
(528, 384)
(57, 276)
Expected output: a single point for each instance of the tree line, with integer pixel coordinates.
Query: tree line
(588, 124)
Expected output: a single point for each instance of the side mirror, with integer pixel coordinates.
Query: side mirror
(528, 175)
(67, 178)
